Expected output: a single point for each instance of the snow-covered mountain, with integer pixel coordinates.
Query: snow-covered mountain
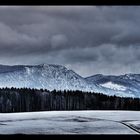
(42, 76)
(58, 77)
(124, 85)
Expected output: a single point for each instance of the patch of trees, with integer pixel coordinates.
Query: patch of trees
(26, 100)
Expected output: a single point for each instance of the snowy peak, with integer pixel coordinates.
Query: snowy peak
(47, 76)
(53, 66)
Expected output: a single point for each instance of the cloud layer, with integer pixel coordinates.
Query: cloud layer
(87, 39)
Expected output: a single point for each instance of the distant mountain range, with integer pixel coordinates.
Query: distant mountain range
(49, 76)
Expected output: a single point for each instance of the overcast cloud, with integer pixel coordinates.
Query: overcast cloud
(87, 39)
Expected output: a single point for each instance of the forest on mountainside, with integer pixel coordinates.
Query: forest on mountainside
(26, 100)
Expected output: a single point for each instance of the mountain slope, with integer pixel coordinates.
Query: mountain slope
(124, 85)
(42, 76)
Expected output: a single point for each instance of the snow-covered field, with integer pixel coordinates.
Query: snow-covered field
(71, 122)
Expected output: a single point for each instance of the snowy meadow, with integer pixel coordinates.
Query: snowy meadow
(71, 122)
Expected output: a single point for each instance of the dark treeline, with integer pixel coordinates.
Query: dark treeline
(25, 100)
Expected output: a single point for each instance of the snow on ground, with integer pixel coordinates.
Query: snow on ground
(113, 86)
(70, 122)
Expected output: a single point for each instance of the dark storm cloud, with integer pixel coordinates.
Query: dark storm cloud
(88, 39)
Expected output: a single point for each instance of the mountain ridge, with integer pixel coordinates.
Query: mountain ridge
(52, 76)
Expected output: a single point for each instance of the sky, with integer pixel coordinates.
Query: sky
(87, 39)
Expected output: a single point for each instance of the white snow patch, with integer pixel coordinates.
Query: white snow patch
(28, 70)
(113, 86)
